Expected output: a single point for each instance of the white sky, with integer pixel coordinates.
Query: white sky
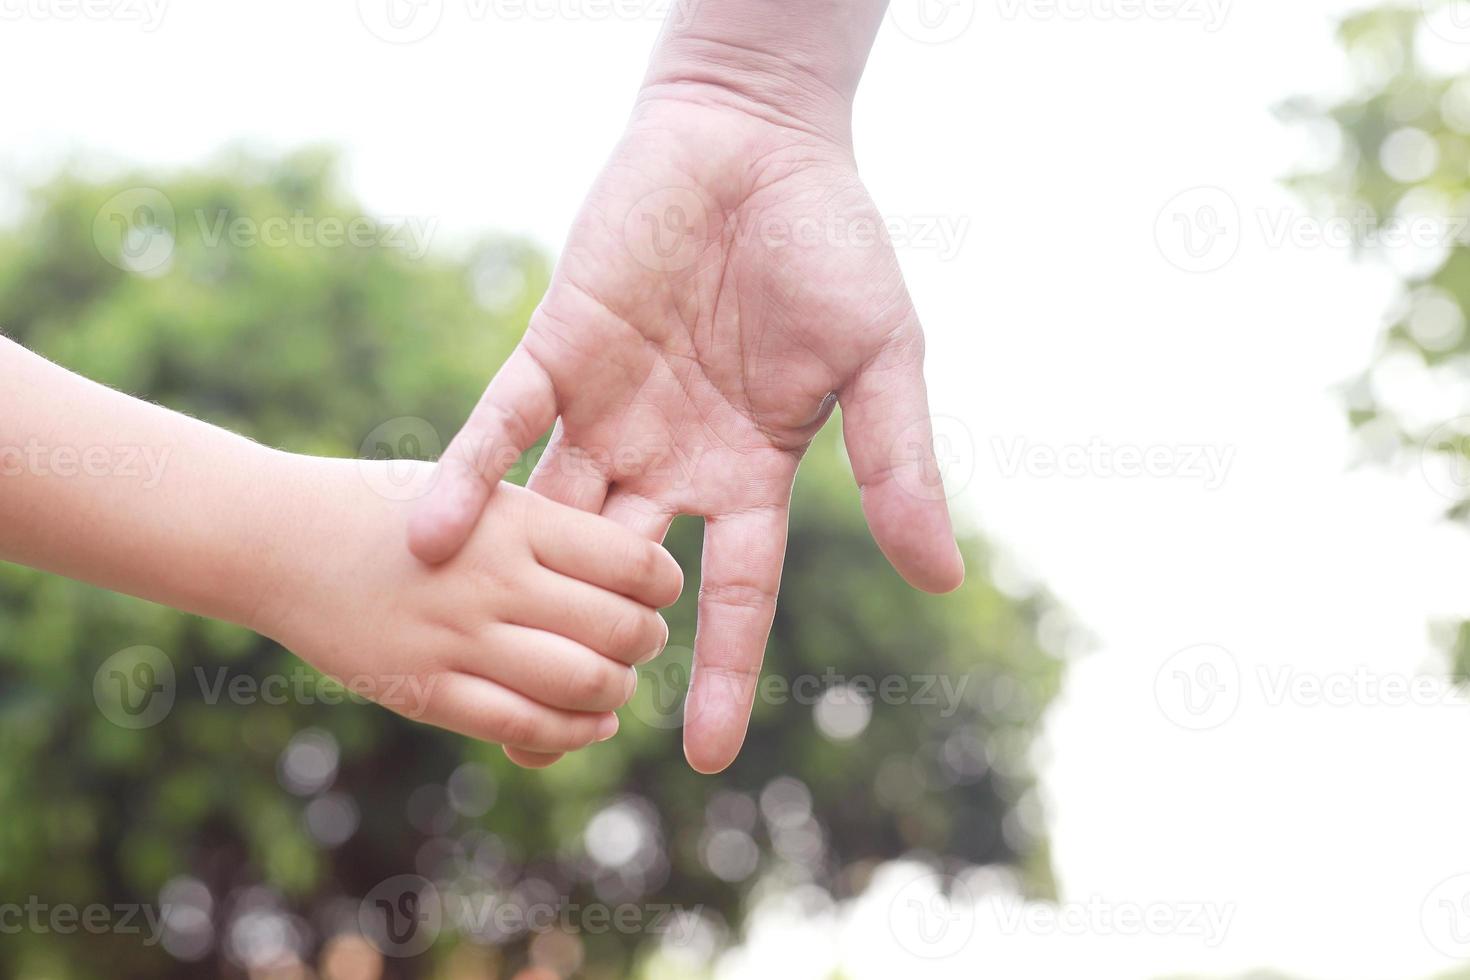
(1059, 140)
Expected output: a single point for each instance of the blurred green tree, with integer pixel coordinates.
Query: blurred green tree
(233, 294)
(1399, 180)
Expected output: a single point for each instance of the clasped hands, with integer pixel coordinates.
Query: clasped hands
(726, 285)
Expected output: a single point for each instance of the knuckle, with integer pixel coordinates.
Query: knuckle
(517, 729)
(734, 682)
(585, 732)
(511, 421)
(468, 457)
(439, 658)
(642, 563)
(545, 523)
(737, 595)
(625, 634)
(588, 684)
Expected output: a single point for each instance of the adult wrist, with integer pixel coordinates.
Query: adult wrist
(797, 62)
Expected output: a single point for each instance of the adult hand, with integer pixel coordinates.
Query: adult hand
(727, 282)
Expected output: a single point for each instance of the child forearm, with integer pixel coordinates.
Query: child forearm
(526, 638)
(130, 496)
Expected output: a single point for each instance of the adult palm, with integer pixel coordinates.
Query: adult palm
(726, 283)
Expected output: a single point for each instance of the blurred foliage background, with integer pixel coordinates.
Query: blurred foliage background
(1398, 175)
(1396, 149)
(262, 827)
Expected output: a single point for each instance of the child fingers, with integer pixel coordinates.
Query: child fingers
(554, 670)
(595, 550)
(568, 475)
(642, 515)
(532, 760)
(611, 624)
(480, 708)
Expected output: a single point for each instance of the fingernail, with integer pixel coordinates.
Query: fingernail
(632, 685)
(653, 654)
(607, 728)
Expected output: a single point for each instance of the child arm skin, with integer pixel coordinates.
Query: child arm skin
(527, 638)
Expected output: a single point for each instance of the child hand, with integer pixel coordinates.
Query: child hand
(527, 637)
